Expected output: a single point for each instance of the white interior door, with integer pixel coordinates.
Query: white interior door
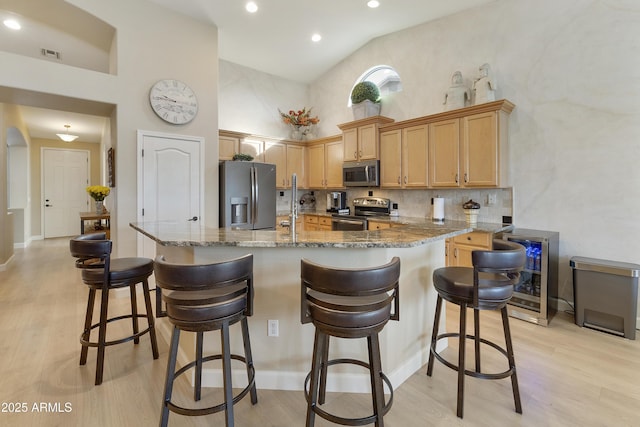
(65, 176)
(170, 181)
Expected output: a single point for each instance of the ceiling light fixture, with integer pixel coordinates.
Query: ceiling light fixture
(66, 137)
(12, 23)
(251, 7)
(316, 37)
(373, 4)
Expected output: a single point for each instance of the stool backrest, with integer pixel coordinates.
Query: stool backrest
(203, 277)
(503, 265)
(354, 282)
(93, 251)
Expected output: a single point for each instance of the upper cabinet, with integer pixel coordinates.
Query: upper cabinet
(403, 157)
(325, 163)
(360, 138)
(289, 159)
(464, 148)
(229, 144)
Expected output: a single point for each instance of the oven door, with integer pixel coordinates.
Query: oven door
(348, 224)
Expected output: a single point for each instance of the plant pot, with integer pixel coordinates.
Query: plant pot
(365, 109)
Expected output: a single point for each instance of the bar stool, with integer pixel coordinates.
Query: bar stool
(102, 273)
(486, 286)
(201, 298)
(348, 303)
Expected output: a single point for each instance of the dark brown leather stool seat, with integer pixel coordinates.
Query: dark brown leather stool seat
(486, 286)
(102, 273)
(348, 303)
(207, 297)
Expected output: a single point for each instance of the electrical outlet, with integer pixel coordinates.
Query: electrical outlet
(272, 328)
(492, 199)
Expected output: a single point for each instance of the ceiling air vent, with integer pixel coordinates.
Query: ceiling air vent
(50, 53)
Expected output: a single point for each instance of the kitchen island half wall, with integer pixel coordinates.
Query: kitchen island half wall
(282, 361)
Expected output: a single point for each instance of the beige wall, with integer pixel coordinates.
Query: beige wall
(146, 52)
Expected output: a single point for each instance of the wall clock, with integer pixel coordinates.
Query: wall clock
(173, 101)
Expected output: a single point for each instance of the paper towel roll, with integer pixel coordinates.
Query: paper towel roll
(438, 209)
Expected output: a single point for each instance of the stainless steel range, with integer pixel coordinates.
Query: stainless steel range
(363, 208)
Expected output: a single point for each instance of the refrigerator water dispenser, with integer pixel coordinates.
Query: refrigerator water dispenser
(239, 206)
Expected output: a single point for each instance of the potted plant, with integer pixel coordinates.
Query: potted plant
(241, 157)
(365, 100)
(98, 194)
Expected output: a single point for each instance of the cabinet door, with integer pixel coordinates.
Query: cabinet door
(334, 153)
(254, 148)
(227, 147)
(391, 159)
(295, 164)
(316, 178)
(350, 141)
(480, 150)
(415, 145)
(444, 146)
(276, 153)
(368, 142)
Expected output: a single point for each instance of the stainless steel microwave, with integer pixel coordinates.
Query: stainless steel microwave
(361, 174)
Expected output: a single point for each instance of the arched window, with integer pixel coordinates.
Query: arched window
(385, 77)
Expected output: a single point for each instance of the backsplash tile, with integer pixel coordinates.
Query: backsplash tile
(417, 203)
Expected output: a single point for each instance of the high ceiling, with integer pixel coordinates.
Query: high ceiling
(275, 40)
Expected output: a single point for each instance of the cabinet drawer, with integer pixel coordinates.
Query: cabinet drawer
(475, 238)
(310, 219)
(324, 220)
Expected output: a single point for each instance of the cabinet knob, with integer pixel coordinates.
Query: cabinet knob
(465, 178)
(355, 154)
(405, 179)
(398, 180)
(457, 179)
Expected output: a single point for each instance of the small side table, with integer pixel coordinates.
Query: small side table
(100, 223)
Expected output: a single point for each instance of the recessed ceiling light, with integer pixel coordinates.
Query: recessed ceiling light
(251, 7)
(316, 37)
(12, 23)
(373, 3)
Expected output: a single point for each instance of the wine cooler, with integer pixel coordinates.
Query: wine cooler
(535, 296)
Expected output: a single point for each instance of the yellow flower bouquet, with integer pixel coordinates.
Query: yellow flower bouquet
(98, 192)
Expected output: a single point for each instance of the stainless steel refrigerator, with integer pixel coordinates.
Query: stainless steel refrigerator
(247, 195)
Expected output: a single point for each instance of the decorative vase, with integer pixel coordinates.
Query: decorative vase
(99, 206)
(296, 133)
(365, 109)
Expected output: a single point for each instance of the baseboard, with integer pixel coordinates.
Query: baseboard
(4, 266)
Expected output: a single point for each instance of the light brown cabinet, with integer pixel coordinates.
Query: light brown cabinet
(360, 138)
(458, 249)
(289, 159)
(253, 147)
(325, 164)
(469, 151)
(317, 223)
(229, 144)
(404, 158)
(378, 225)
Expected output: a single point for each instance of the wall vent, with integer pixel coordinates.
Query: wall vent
(49, 53)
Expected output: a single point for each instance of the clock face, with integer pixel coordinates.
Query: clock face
(173, 101)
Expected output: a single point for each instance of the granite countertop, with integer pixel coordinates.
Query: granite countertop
(410, 232)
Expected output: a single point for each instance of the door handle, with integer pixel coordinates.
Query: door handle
(195, 218)
(48, 206)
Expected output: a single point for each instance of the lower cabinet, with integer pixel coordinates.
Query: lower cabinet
(317, 223)
(458, 249)
(378, 225)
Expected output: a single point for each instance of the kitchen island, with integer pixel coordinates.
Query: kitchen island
(283, 361)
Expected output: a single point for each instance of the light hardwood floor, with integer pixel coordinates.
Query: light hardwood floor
(569, 376)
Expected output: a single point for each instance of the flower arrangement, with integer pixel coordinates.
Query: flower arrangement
(98, 192)
(299, 118)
